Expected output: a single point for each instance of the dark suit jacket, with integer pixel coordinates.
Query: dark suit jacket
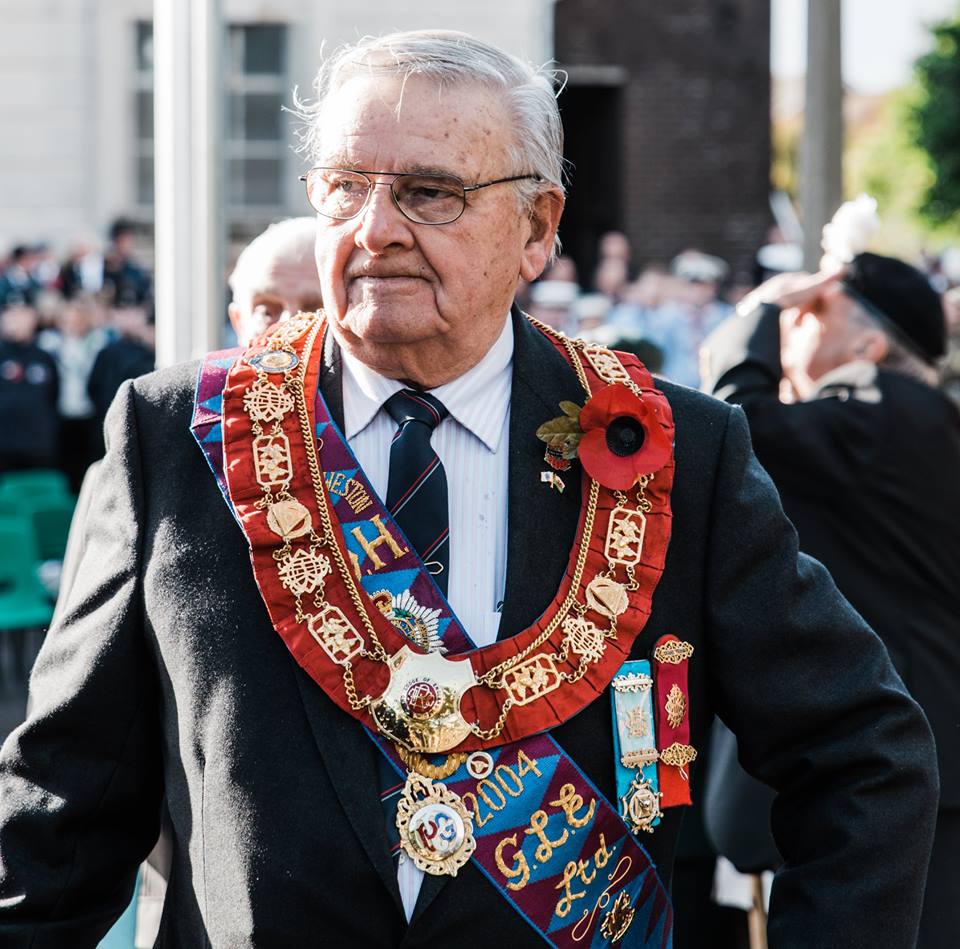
(164, 675)
(873, 486)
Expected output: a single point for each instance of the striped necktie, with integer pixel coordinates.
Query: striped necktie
(417, 489)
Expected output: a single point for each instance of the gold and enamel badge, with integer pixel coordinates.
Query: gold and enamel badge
(436, 830)
(640, 806)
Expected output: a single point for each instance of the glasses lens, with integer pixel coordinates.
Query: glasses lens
(429, 199)
(336, 193)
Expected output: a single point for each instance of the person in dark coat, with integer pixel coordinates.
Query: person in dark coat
(130, 355)
(125, 282)
(17, 283)
(866, 457)
(29, 391)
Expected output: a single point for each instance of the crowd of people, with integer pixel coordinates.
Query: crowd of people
(71, 331)
(664, 313)
(70, 334)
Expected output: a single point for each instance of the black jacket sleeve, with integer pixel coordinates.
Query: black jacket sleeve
(81, 781)
(822, 717)
(811, 448)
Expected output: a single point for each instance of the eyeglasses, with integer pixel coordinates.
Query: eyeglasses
(342, 193)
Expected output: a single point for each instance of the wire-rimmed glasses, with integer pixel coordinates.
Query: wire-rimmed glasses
(343, 193)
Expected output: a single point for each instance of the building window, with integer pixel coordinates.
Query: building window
(255, 142)
(256, 146)
(143, 115)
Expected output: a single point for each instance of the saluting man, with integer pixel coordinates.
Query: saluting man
(417, 611)
(866, 457)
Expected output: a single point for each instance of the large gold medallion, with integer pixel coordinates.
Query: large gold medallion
(436, 831)
(420, 708)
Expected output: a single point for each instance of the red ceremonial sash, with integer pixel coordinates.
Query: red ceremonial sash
(544, 692)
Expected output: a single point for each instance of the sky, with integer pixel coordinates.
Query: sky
(881, 39)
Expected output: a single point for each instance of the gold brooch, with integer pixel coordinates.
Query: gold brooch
(675, 706)
(617, 921)
(678, 755)
(673, 652)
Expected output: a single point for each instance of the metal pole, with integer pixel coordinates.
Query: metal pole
(821, 157)
(208, 306)
(189, 236)
(172, 193)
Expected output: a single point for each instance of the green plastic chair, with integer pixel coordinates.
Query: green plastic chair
(45, 481)
(23, 602)
(51, 526)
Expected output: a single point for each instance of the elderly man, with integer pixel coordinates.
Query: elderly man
(412, 603)
(866, 456)
(274, 277)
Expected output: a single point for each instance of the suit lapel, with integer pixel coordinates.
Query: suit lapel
(541, 520)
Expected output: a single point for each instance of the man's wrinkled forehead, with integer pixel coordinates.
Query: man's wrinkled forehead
(420, 109)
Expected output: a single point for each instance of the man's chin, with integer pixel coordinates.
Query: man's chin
(391, 326)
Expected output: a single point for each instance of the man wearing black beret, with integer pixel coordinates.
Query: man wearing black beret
(836, 372)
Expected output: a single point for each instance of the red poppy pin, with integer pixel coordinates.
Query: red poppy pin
(616, 435)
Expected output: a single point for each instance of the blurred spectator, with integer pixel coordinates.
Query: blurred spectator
(129, 356)
(648, 353)
(610, 277)
(17, 284)
(563, 268)
(589, 315)
(74, 345)
(950, 368)
(125, 282)
(45, 268)
(275, 277)
(28, 393)
(614, 245)
(691, 310)
(82, 271)
(551, 302)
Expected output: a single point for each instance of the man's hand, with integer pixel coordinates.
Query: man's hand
(790, 290)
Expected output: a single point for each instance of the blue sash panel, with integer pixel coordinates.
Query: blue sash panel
(634, 731)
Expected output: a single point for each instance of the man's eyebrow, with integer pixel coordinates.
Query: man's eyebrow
(342, 161)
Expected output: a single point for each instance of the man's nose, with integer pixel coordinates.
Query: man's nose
(381, 222)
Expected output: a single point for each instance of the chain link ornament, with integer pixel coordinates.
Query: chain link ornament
(522, 678)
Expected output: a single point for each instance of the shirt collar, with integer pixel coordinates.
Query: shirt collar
(479, 399)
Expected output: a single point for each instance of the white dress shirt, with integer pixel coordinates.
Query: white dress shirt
(472, 444)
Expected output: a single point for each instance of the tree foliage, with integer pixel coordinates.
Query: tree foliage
(937, 121)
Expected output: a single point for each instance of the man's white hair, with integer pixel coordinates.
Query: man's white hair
(449, 57)
(290, 240)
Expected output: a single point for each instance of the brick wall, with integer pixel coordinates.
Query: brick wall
(694, 136)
